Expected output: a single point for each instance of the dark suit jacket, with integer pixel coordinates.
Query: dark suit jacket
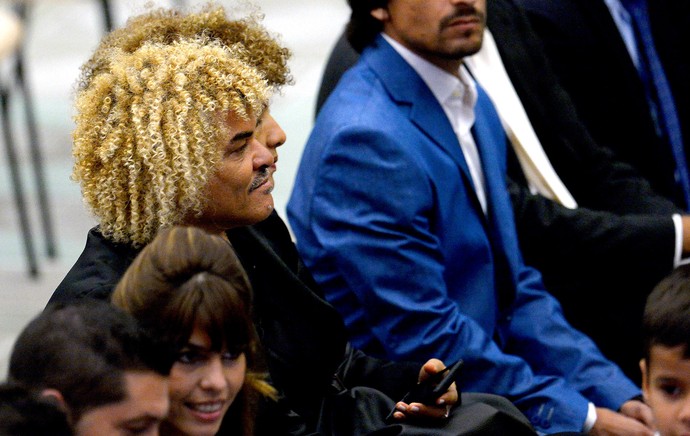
(601, 259)
(588, 54)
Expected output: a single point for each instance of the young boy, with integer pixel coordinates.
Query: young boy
(666, 363)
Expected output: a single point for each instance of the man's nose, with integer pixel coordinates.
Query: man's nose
(263, 155)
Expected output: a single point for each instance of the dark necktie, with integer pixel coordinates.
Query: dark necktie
(658, 91)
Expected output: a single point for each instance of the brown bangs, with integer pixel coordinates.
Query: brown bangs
(215, 306)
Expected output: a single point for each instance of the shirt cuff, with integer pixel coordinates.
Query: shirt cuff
(678, 255)
(591, 418)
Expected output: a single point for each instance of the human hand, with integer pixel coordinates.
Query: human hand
(638, 410)
(443, 404)
(610, 423)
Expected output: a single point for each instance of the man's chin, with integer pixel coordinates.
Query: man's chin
(263, 213)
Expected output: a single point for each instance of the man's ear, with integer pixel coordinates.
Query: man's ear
(380, 14)
(645, 378)
(55, 396)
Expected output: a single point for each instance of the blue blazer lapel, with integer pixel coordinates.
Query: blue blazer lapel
(407, 89)
(492, 145)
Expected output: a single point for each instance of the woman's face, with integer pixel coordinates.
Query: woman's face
(203, 385)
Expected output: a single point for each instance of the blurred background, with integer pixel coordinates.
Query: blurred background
(58, 36)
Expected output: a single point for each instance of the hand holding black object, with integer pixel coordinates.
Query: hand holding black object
(431, 388)
(427, 391)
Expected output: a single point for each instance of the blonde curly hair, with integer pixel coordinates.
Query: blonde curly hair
(165, 26)
(148, 131)
(149, 113)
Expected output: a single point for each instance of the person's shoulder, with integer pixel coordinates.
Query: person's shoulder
(97, 270)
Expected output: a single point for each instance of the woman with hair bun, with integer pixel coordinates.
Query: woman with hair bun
(188, 288)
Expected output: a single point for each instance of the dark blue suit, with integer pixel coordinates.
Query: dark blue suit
(387, 219)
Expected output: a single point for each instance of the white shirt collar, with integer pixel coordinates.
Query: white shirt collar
(457, 96)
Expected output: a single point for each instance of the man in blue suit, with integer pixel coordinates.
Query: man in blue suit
(400, 210)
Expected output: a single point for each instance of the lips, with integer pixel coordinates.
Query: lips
(209, 411)
(463, 16)
(463, 21)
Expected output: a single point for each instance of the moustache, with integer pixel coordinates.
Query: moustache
(264, 174)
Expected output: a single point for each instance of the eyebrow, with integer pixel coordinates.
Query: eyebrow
(145, 419)
(242, 135)
(666, 379)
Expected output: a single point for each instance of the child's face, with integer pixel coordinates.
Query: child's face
(666, 388)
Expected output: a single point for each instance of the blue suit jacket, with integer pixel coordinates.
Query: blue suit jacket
(386, 217)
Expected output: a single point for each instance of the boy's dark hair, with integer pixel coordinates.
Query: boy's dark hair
(666, 319)
(24, 413)
(83, 350)
(362, 27)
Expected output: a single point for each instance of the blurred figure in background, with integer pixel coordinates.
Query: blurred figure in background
(624, 64)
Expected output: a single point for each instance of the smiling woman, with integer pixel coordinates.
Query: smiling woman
(188, 287)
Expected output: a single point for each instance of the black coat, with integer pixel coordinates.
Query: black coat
(601, 259)
(587, 53)
(303, 336)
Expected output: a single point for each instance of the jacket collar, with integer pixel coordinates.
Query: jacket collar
(407, 89)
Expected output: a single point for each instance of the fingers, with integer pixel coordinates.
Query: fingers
(617, 424)
(449, 398)
(639, 411)
(418, 410)
(432, 366)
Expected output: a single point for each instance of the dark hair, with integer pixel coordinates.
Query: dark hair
(666, 318)
(362, 27)
(25, 413)
(83, 350)
(185, 278)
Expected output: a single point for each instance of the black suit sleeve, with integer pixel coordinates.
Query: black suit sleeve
(583, 241)
(621, 226)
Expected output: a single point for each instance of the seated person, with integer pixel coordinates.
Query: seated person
(204, 156)
(401, 212)
(615, 238)
(189, 288)
(96, 362)
(25, 413)
(666, 365)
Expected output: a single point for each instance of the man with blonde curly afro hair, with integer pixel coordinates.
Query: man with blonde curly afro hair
(172, 128)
